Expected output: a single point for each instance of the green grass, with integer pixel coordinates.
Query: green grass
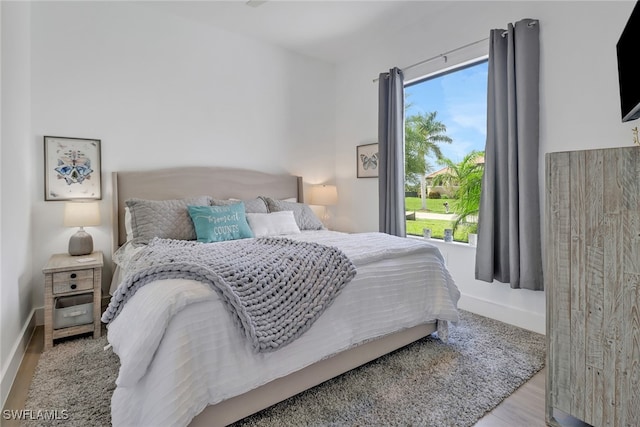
(433, 205)
(437, 226)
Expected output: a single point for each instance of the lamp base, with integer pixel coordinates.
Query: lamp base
(80, 243)
(326, 218)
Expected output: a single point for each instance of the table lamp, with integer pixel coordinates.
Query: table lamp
(81, 214)
(324, 195)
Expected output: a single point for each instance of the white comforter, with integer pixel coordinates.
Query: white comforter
(180, 351)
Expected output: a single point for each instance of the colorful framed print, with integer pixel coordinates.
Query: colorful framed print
(367, 160)
(71, 168)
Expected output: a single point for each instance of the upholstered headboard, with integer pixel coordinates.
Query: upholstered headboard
(179, 183)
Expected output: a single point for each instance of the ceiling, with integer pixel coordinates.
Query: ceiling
(329, 30)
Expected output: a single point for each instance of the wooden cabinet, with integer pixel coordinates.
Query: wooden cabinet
(592, 282)
(66, 277)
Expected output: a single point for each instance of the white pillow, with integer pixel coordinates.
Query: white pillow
(127, 223)
(272, 224)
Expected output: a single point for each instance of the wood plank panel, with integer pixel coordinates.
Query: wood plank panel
(627, 369)
(614, 209)
(560, 298)
(594, 280)
(613, 315)
(631, 397)
(594, 199)
(598, 395)
(578, 262)
(631, 188)
(550, 286)
(632, 241)
(632, 267)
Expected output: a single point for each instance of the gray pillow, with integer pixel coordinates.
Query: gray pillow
(305, 218)
(167, 219)
(256, 205)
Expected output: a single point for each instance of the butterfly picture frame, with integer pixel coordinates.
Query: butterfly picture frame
(72, 168)
(367, 160)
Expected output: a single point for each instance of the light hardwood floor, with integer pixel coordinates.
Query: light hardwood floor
(524, 408)
(18, 394)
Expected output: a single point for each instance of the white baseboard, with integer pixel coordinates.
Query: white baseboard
(15, 359)
(514, 316)
(39, 316)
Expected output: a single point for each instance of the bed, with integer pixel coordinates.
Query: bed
(183, 360)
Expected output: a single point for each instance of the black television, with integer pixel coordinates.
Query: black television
(627, 49)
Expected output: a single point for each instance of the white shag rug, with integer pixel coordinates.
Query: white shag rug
(428, 383)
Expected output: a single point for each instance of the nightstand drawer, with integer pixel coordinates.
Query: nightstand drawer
(69, 281)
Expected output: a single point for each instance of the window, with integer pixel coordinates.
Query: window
(445, 134)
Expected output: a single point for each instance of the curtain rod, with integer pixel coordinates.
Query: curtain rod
(442, 55)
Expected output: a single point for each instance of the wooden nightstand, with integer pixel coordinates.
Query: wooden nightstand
(69, 276)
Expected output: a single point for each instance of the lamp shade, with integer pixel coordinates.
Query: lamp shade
(324, 195)
(81, 214)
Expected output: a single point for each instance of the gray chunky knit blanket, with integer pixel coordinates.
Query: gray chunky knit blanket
(274, 288)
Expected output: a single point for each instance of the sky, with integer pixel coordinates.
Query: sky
(460, 99)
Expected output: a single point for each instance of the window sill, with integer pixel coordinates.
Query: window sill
(442, 242)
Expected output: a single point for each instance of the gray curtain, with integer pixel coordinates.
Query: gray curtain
(391, 153)
(509, 240)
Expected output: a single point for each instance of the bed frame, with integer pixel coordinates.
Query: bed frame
(223, 183)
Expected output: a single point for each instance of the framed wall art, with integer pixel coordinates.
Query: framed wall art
(367, 160)
(71, 168)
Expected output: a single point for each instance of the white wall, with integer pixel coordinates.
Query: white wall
(161, 91)
(16, 187)
(579, 104)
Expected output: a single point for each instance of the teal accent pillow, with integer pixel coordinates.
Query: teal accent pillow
(220, 223)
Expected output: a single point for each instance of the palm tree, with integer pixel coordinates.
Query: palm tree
(467, 176)
(423, 134)
(416, 165)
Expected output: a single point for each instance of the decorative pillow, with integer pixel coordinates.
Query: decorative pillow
(127, 223)
(220, 223)
(305, 218)
(272, 224)
(167, 219)
(256, 205)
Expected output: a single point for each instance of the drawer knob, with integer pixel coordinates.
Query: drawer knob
(74, 275)
(73, 286)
